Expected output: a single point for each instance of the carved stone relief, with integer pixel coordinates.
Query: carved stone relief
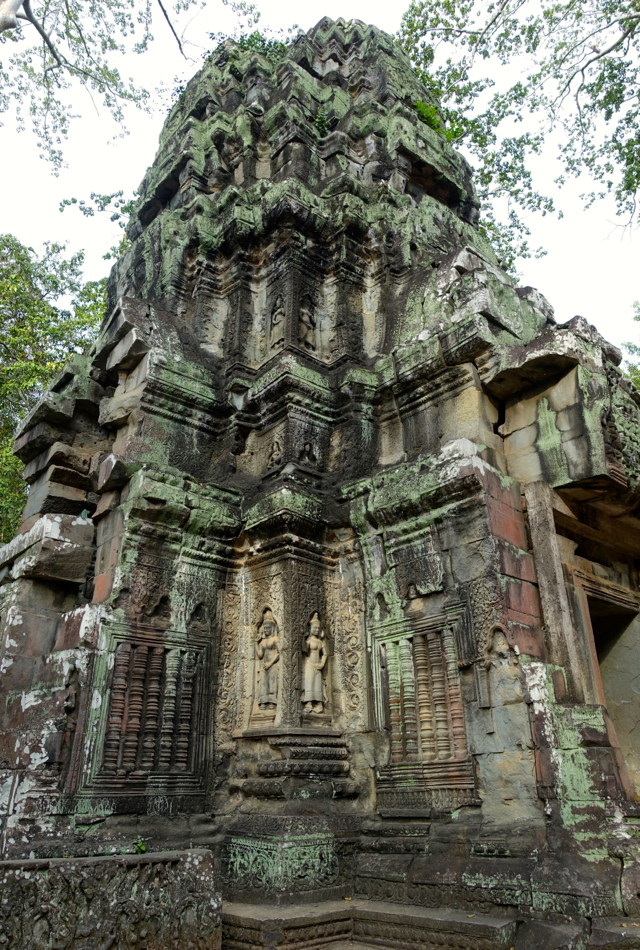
(268, 653)
(314, 690)
(277, 326)
(307, 325)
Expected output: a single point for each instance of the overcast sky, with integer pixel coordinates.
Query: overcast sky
(591, 267)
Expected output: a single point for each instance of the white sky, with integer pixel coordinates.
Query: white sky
(590, 269)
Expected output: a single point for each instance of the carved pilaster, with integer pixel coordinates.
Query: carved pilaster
(440, 705)
(134, 711)
(395, 705)
(408, 701)
(456, 710)
(289, 712)
(169, 709)
(117, 707)
(184, 718)
(152, 708)
(421, 656)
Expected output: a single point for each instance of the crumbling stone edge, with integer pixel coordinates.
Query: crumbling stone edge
(153, 901)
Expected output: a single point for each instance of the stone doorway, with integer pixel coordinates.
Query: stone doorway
(615, 627)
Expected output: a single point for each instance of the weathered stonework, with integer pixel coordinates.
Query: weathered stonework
(151, 901)
(329, 562)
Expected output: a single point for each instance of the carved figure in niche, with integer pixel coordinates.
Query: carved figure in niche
(276, 330)
(307, 455)
(314, 694)
(275, 455)
(307, 324)
(506, 677)
(268, 652)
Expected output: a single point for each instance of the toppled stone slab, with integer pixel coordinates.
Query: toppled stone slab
(151, 901)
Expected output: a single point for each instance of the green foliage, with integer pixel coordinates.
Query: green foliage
(120, 208)
(274, 49)
(633, 349)
(13, 494)
(247, 38)
(322, 121)
(578, 74)
(139, 846)
(47, 313)
(52, 45)
(429, 115)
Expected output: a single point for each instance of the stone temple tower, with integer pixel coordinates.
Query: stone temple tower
(328, 565)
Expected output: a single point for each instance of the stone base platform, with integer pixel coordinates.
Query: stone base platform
(363, 925)
(371, 925)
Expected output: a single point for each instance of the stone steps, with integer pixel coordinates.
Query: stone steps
(352, 945)
(610, 932)
(362, 925)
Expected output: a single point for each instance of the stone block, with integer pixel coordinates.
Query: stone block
(116, 410)
(107, 555)
(384, 866)
(128, 351)
(103, 585)
(507, 524)
(523, 598)
(108, 502)
(525, 465)
(53, 408)
(571, 885)
(57, 547)
(110, 525)
(114, 472)
(468, 407)
(545, 935)
(527, 638)
(33, 442)
(57, 454)
(47, 495)
(520, 413)
(514, 562)
(505, 490)
(521, 439)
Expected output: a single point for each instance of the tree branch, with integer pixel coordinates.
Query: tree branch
(581, 70)
(177, 38)
(26, 6)
(9, 14)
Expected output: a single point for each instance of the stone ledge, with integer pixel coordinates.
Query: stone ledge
(368, 923)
